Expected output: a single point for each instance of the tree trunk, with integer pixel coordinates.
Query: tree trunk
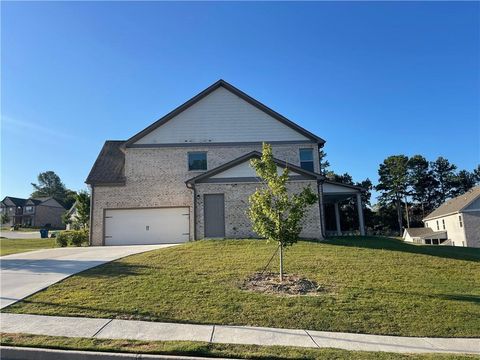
(406, 212)
(399, 216)
(281, 263)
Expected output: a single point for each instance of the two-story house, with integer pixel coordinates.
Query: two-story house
(188, 175)
(37, 212)
(456, 222)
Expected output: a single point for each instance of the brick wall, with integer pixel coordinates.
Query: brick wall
(156, 177)
(237, 223)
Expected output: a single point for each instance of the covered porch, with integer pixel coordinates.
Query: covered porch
(334, 195)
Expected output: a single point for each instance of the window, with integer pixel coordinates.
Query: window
(306, 159)
(28, 209)
(197, 161)
(426, 224)
(443, 224)
(438, 226)
(460, 220)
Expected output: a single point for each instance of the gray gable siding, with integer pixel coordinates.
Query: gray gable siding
(221, 116)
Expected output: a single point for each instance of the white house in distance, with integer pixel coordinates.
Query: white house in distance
(456, 223)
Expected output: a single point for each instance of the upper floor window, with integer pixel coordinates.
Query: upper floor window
(460, 220)
(438, 226)
(197, 161)
(443, 224)
(28, 208)
(426, 224)
(306, 159)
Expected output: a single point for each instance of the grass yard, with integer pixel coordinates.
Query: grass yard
(374, 285)
(189, 348)
(13, 246)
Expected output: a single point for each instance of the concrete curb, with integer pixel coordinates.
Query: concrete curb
(19, 353)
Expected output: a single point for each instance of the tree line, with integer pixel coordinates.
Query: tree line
(416, 186)
(410, 188)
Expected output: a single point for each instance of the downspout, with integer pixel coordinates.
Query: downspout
(321, 208)
(91, 216)
(192, 187)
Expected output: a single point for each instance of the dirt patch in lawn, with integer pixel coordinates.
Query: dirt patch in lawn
(292, 285)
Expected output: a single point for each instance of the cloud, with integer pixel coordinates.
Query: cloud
(14, 124)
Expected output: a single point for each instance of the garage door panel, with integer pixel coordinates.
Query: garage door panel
(146, 226)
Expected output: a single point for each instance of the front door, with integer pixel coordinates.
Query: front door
(214, 212)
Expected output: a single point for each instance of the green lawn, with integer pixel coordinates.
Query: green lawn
(13, 246)
(190, 348)
(374, 285)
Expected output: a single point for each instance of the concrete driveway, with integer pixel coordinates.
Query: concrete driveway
(26, 273)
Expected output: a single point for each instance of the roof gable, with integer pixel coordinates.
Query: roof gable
(221, 113)
(239, 168)
(456, 204)
(13, 201)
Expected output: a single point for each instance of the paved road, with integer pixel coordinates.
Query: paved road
(26, 273)
(20, 234)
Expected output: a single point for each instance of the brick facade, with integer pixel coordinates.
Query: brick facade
(155, 177)
(237, 223)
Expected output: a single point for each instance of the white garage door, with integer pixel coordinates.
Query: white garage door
(146, 226)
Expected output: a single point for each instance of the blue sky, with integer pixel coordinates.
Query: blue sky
(372, 78)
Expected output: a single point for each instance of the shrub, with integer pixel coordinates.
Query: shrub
(62, 239)
(72, 237)
(78, 237)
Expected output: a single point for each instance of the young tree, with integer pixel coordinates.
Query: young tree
(69, 198)
(275, 214)
(393, 183)
(83, 208)
(444, 173)
(66, 220)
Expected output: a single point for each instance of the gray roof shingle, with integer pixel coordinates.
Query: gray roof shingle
(456, 204)
(109, 168)
(425, 232)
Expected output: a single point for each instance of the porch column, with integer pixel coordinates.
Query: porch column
(360, 214)
(337, 219)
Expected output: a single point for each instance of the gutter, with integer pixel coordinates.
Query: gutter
(321, 208)
(91, 215)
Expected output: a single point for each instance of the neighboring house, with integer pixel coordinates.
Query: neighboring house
(188, 176)
(425, 236)
(37, 212)
(456, 222)
(71, 216)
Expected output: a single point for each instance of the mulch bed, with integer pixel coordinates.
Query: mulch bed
(292, 284)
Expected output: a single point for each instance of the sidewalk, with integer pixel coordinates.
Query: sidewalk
(156, 331)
